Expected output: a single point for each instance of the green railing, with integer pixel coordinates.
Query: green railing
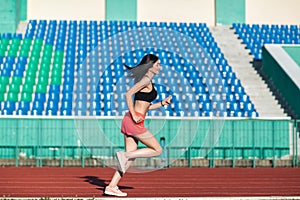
(295, 142)
(188, 142)
(283, 76)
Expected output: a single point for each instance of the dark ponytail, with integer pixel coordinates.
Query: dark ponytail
(139, 71)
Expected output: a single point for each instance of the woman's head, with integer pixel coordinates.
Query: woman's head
(148, 58)
(148, 62)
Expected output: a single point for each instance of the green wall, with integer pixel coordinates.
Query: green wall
(121, 10)
(230, 11)
(11, 13)
(23, 10)
(73, 138)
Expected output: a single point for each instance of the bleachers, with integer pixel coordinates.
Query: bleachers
(75, 68)
(255, 36)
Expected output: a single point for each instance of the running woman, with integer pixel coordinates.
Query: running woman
(133, 122)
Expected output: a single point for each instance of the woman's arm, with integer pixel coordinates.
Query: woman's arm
(164, 102)
(134, 89)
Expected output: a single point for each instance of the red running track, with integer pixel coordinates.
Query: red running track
(173, 182)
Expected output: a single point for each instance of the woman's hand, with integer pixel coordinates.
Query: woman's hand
(136, 118)
(167, 100)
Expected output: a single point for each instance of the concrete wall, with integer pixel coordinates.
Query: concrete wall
(176, 11)
(66, 9)
(256, 11)
(272, 11)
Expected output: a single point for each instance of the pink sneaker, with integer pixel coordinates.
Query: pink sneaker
(121, 161)
(114, 191)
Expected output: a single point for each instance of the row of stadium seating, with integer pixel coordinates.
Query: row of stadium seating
(76, 68)
(255, 36)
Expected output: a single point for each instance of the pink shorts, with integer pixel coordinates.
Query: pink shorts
(129, 127)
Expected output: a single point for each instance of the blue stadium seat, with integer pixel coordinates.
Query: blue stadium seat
(52, 107)
(37, 108)
(23, 108)
(41, 97)
(68, 80)
(78, 38)
(67, 96)
(9, 108)
(54, 89)
(81, 107)
(54, 97)
(67, 88)
(256, 36)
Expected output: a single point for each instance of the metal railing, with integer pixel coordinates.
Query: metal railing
(24, 145)
(84, 155)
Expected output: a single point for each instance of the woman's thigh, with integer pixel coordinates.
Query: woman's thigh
(131, 143)
(149, 140)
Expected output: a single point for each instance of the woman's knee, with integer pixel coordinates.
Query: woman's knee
(158, 150)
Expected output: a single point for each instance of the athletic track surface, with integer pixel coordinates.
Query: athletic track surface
(172, 182)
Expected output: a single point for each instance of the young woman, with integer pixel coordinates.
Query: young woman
(133, 122)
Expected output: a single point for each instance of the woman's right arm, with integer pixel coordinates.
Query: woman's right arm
(134, 89)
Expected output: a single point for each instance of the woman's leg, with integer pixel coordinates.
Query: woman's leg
(130, 145)
(153, 147)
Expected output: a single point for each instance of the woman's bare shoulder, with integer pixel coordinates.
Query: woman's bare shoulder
(144, 82)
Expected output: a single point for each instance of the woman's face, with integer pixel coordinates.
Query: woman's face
(156, 67)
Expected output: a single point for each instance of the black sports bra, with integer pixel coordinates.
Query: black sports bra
(146, 96)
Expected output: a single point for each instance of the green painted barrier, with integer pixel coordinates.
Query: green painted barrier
(285, 85)
(41, 140)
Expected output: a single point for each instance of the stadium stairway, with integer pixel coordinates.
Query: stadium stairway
(21, 29)
(239, 59)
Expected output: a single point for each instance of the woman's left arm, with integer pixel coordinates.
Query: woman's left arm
(164, 102)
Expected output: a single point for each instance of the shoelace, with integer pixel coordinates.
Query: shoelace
(117, 189)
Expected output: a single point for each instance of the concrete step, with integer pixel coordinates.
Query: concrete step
(21, 29)
(239, 59)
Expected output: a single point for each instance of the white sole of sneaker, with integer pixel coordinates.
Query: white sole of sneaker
(114, 194)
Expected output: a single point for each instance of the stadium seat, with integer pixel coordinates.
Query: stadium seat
(9, 108)
(255, 36)
(60, 64)
(23, 107)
